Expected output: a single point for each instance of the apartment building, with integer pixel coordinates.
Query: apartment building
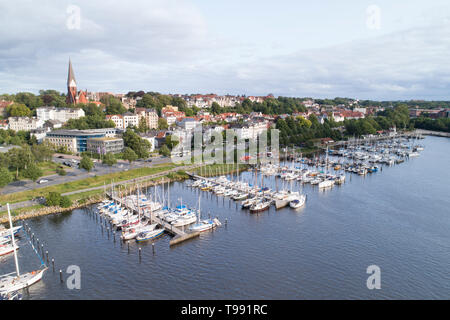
(60, 114)
(24, 123)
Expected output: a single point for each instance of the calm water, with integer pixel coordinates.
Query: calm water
(398, 219)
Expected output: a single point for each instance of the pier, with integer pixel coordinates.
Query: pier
(179, 235)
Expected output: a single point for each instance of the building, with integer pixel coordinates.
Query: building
(104, 145)
(74, 96)
(24, 123)
(150, 115)
(188, 124)
(61, 114)
(117, 119)
(76, 140)
(130, 120)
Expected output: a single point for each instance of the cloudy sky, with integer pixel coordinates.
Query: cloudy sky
(362, 49)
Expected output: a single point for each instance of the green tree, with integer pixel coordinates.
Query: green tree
(53, 199)
(65, 202)
(142, 127)
(86, 163)
(32, 172)
(165, 151)
(5, 177)
(18, 110)
(162, 124)
(172, 141)
(130, 155)
(109, 159)
(140, 146)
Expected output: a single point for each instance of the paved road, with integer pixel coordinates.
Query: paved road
(74, 174)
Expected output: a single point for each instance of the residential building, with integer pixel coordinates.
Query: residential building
(130, 120)
(150, 115)
(117, 119)
(60, 114)
(24, 123)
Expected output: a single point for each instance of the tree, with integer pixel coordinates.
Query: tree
(216, 108)
(86, 163)
(109, 159)
(140, 146)
(162, 124)
(61, 171)
(172, 141)
(143, 128)
(5, 177)
(32, 172)
(53, 199)
(65, 202)
(113, 105)
(18, 110)
(165, 151)
(130, 155)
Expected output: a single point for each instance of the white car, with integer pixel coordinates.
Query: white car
(42, 181)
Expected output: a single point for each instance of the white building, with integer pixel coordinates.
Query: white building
(24, 123)
(60, 114)
(130, 119)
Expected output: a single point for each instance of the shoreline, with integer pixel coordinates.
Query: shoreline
(97, 198)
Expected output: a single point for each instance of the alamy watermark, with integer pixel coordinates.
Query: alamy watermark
(373, 20)
(73, 21)
(73, 282)
(228, 146)
(374, 280)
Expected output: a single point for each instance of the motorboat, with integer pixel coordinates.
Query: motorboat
(298, 202)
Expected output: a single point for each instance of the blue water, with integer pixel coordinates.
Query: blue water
(397, 219)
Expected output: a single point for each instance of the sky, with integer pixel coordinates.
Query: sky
(380, 50)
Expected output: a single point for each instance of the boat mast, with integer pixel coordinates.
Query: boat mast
(13, 242)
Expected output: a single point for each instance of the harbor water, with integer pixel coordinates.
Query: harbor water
(397, 219)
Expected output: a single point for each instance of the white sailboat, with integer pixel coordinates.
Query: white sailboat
(203, 225)
(10, 283)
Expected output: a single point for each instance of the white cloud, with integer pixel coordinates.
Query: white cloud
(165, 45)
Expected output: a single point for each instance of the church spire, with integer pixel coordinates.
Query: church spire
(71, 82)
(72, 93)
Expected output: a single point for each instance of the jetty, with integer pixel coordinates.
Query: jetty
(179, 234)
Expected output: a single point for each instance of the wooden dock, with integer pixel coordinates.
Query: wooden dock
(180, 235)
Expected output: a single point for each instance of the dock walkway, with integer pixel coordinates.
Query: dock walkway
(180, 235)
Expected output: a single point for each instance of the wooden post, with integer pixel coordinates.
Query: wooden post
(60, 276)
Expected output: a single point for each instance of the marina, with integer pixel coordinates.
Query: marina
(320, 250)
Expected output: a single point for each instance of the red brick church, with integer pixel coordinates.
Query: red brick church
(74, 96)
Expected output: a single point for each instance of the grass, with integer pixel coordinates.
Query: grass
(91, 182)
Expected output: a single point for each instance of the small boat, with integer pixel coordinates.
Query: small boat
(7, 249)
(14, 295)
(10, 283)
(326, 184)
(260, 206)
(7, 232)
(299, 202)
(240, 196)
(132, 233)
(149, 235)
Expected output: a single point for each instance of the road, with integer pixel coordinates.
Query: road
(75, 173)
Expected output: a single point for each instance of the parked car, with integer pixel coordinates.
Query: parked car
(42, 181)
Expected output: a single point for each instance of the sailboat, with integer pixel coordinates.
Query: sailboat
(10, 283)
(204, 225)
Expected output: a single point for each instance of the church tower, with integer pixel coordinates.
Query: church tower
(71, 86)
